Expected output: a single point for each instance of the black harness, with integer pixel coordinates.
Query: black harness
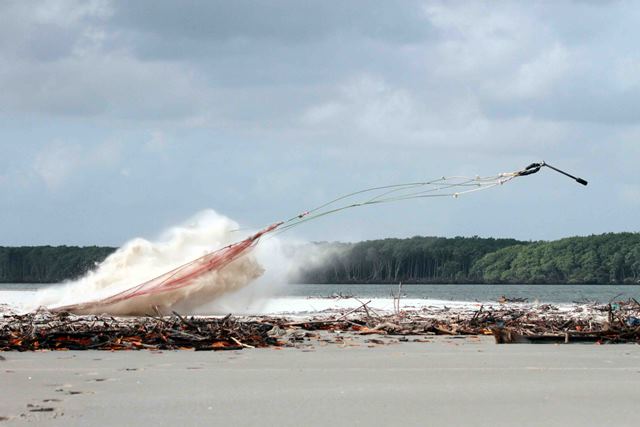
(535, 167)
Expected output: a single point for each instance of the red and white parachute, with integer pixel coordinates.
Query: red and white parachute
(153, 296)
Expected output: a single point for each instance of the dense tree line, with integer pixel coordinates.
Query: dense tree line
(414, 260)
(48, 264)
(607, 258)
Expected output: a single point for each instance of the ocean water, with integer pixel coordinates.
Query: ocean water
(475, 293)
(309, 299)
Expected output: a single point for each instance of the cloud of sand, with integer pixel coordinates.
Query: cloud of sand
(140, 260)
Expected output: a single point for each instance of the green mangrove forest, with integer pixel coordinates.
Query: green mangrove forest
(596, 259)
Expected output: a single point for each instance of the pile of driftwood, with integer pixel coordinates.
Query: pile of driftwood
(516, 323)
(509, 323)
(62, 331)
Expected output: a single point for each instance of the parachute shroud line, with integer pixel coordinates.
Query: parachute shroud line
(187, 274)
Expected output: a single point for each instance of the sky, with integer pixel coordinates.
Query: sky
(119, 119)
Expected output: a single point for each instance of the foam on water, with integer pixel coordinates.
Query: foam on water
(257, 300)
(19, 301)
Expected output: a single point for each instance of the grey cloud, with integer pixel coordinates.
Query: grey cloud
(284, 20)
(109, 85)
(259, 109)
(234, 63)
(47, 30)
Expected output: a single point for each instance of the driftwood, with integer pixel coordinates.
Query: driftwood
(508, 323)
(61, 331)
(510, 336)
(616, 322)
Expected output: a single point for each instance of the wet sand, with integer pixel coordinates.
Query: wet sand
(446, 381)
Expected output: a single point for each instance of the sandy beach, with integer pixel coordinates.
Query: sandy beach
(443, 381)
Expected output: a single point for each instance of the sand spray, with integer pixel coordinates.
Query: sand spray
(239, 287)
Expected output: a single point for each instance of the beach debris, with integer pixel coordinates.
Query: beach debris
(63, 331)
(335, 295)
(503, 299)
(615, 322)
(507, 322)
(41, 409)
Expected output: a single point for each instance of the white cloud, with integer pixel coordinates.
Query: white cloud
(367, 104)
(378, 108)
(62, 58)
(157, 141)
(630, 194)
(479, 38)
(372, 110)
(113, 85)
(323, 113)
(538, 77)
(627, 73)
(70, 12)
(57, 162)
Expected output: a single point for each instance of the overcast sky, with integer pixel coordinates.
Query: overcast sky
(121, 118)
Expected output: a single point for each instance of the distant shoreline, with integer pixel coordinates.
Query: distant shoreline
(610, 258)
(395, 284)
